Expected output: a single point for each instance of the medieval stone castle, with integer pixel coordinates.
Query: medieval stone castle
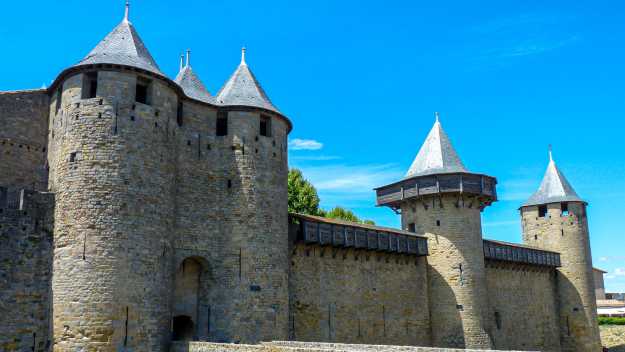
(137, 210)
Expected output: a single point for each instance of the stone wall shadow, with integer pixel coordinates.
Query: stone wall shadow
(444, 295)
(575, 325)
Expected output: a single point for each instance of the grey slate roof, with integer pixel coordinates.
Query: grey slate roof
(243, 89)
(554, 188)
(192, 85)
(122, 46)
(436, 156)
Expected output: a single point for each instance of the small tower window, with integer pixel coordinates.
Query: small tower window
(222, 124)
(265, 125)
(142, 91)
(542, 211)
(179, 113)
(565, 209)
(90, 85)
(498, 320)
(59, 99)
(411, 227)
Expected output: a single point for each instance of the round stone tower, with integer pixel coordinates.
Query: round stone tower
(554, 218)
(442, 200)
(111, 169)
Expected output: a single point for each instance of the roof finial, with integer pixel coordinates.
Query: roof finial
(550, 153)
(188, 57)
(127, 10)
(181, 61)
(243, 56)
(437, 115)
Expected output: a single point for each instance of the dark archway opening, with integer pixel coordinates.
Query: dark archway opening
(183, 328)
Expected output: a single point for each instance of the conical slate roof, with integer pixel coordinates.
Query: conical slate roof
(122, 46)
(554, 188)
(242, 89)
(436, 156)
(192, 85)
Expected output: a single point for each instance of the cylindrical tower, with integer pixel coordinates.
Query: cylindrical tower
(111, 169)
(554, 218)
(254, 169)
(442, 200)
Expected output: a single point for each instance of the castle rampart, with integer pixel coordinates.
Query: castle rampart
(23, 138)
(357, 284)
(26, 222)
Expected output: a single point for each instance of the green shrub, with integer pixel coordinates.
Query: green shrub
(611, 321)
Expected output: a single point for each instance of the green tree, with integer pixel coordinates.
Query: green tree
(347, 215)
(303, 197)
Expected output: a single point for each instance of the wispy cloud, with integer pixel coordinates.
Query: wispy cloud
(503, 40)
(350, 185)
(619, 272)
(315, 157)
(305, 144)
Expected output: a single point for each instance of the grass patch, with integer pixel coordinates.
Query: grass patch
(611, 321)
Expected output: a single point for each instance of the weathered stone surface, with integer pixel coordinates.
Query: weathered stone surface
(567, 233)
(23, 139)
(358, 296)
(613, 337)
(523, 298)
(26, 222)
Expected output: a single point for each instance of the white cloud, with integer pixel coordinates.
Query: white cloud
(305, 144)
(609, 277)
(619, 272)
(350, 185)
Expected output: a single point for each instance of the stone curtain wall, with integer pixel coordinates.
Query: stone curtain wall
(358, 296)
(23, 139)
(284, 346)
(523, 306)
(25, 269)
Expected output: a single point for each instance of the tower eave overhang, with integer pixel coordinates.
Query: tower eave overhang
(117, 67)
(553, 200)
(461, 183)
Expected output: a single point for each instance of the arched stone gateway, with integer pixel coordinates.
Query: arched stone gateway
(188, 294)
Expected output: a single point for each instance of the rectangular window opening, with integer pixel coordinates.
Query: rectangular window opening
(265, 125)
(542, 211)
(565, 209)
(59, 99)
(222, 124)
(90, 85)
(498, 320)
(142, 91)
(411, 227)
(179, 113)
(72, 157)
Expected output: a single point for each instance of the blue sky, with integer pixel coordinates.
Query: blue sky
(361, 81)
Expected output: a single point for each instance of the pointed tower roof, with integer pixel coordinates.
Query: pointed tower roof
(437, 155)
(243, 89)
(554, 188)
(191, 83)
(122, 46)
